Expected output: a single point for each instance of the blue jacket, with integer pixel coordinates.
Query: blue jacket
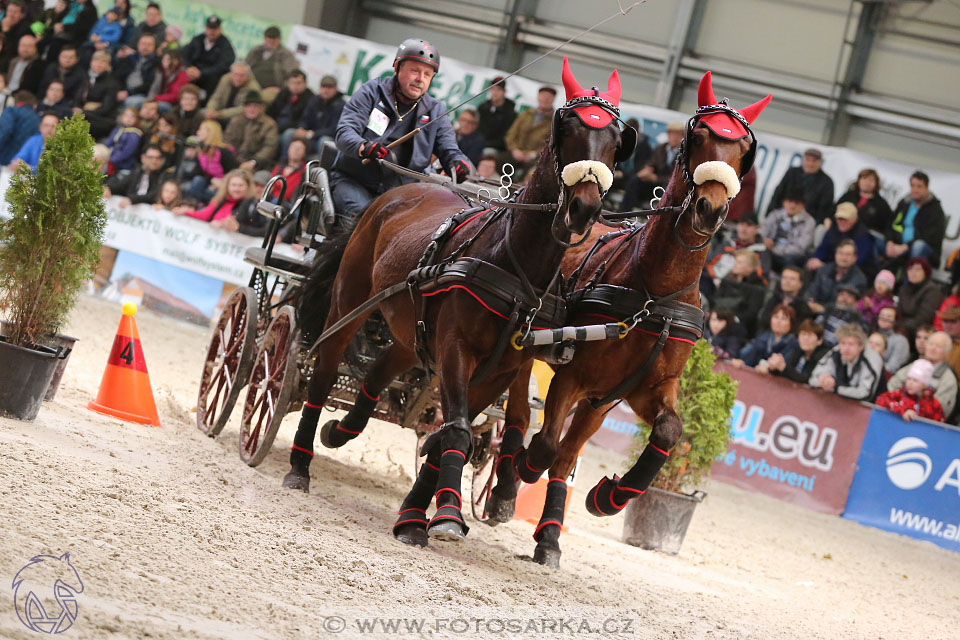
(17, 125)
(861, 236)
(109, 32)
(765, 345)
(124, 142)
(352, 132)
(30, 151)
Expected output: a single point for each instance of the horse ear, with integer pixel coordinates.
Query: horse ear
(613, 88)
(570, 84)
(705, 91)
(751, 112)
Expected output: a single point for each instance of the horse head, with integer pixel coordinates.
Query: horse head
(587, 143)
(718, 149)
(45, 593)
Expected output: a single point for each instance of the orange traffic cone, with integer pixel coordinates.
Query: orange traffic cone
(530, 497)
(125, 391)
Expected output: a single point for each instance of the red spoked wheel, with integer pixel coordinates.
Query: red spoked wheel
(228, 363)
(485, 474)
(272, 381)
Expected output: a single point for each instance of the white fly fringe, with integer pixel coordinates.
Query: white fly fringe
(588, 171)
(719, 171)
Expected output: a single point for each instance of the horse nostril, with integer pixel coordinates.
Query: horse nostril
(704, 207)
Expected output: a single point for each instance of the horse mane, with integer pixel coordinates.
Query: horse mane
(540, 187)
(674, 194)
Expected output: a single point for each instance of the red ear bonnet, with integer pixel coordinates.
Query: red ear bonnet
(592, 115)
(722, 124)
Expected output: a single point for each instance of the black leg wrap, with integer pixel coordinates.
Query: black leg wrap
(610, 496)
(452, 461)
(553, 507)
(413, 511)
(527, 472)
(337, 433)
(301, 453)
(512, 443)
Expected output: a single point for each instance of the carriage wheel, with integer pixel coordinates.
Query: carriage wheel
(228, 362)
(272, 382)
(485, 474)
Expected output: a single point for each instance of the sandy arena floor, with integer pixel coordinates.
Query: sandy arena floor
(174, 537)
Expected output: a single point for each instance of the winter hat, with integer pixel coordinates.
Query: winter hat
(886, 277)
(921, 371)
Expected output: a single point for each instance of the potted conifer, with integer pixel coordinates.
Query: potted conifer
(659, 518)
(49, 247)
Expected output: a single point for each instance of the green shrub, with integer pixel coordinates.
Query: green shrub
(704, 403)
(50, 246)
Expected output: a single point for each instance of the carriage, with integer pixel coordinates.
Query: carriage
(257, 353)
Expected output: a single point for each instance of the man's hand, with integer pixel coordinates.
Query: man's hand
(123, 95)
(816, 307)
(123, 203)
(303, 133)
(374, 151)
(227, 224)
(895, 250)
(518, 155)
(814, 264)
(193, 73)
(461, 169)
(768, 243)
(737, 363)
(762, 367)
(776, 362)
(909, 415)
(249, 165)
(124, 52)
(106, 192)
(827, 382)
(212, 114)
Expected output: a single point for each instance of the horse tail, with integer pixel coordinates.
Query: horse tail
(315, 294)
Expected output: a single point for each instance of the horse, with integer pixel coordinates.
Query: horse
(635, 276)
(449, 320)
(45, 593)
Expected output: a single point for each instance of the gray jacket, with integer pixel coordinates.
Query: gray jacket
(898, 352)
(944, 385)
(791, 235)
(857, 381)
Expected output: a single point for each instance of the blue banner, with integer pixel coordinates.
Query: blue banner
(908, 480)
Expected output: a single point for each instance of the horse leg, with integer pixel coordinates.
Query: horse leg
(503, 497)
(611, 495)
(394, 360)
(411, 525)
(532, 462)
(586, 421)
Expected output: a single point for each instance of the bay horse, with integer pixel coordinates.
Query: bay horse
(398, 239)
(634, 276)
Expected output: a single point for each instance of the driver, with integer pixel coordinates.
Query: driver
(383, 110)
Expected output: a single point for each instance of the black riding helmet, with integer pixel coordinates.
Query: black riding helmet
(419, 50)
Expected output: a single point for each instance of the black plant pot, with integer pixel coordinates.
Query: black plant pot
(658, 520)
(61, 343)
(24, 378)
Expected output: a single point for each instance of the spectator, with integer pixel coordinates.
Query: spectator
(291, 169)
(68, 72)
(469, 139)
(842, 312)
(788, 232)
(189, 115)
(944, 379)
(271, 63)
(321, 115)
(215, 160)
(54, 102)
(168, 80)
(122, 7)
(101, 158)
(169, 197)
(724, 333)
(236, 186)
(745, 201)
(227, 100)
(742, 290)
(878, 342)
(171, 39)
(105, 35)
(29, 153)
(100, 102)
(788, 293)
(918, 227)
(817, 187)
(24, 72)
(149, 115)
(188, 166)
(124, 140)
(208, 56)
(720, 260)
(920, 296)
(165, 137)
(847, 227)
(18, 123)
(641, 155)
(916, 398)
(850, 369)
(140, 185)
(13, 27)
(898, 348)
(71, 24)
(842, 271)
(949, 301)
(872, 209)
(880, 297)
(920, 339)
(530, 129)
(810, 350)
(780, 339)
(495, 115)
(488, 167)
(288, 107)
(951, 327)
(152, 25)
(252, 134)
(137, 72)
(657, 171)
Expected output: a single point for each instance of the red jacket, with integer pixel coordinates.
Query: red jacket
(949, 302)
(170, 87)
(293, 181)
(899, 401)
(214, 210)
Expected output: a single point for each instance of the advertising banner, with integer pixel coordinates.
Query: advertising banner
(792, 442)
(908, 480)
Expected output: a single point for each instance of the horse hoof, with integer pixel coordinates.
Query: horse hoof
(499, 509)
(297, 481)
(547, 557)
(413, 535)
(328, 435)
(447, 532)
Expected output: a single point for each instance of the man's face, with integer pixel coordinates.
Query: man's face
(149, 111)
(153, 17)
(792, 207)
(252, 110)
(99, 64)
(850, 348)
(746, 232)
(48, 125)
(211, 33)
(296, 85)
(845, 224)
(845, 256)
(937, 348)
(271, 43)
(886, 318)
(188, 101)
(918, 190)
(54, 93)
(674, 138)
(951, 328)
(15, 13)
(467, 123)
(811, 164)
(67, 59)
(327, 93)
(846, 299)
(790, 283)
(27, 47)
(497, 93)
(238, 76)
(146, 46)
(414, 78)
(545, 101)
(152, 160)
